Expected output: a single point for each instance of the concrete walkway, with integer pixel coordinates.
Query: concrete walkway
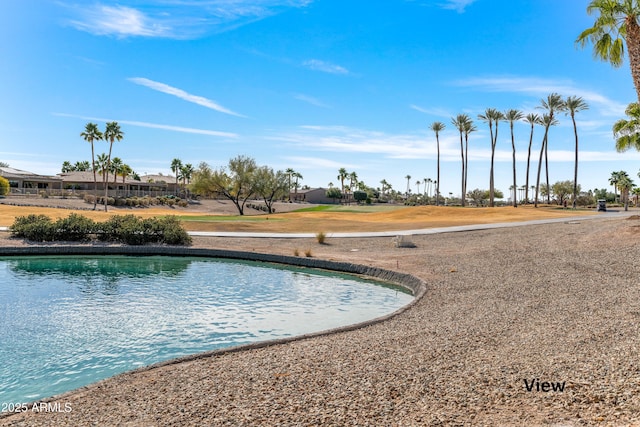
(421, 231)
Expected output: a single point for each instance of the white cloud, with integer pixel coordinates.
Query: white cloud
(318, 163)
(542, 87)
(181, 19)
(457, 5)
(325, 67)
(170, 90)
(154, 126)
(439, 112)
(310, 100)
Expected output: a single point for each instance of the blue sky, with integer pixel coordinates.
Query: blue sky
(313, 85)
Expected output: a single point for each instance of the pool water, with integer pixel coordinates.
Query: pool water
(71, 321)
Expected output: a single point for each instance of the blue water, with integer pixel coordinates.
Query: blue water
(70, 321)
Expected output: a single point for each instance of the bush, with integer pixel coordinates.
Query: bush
(38, 228)
(321, 237)
(4, 186)
(74, 228)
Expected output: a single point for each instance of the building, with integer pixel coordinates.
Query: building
(24, 182)
(313, 195)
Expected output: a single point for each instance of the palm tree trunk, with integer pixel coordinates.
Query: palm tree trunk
(515, 187)
(544, 143)
(575, 170)
(462, 155)
(438, 171)
(546, 166)
(95, 179)
(491, 170)
(633, 48)
(466, 166)
(526, 190)
(106, 178)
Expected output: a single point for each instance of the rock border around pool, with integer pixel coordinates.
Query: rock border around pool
(417, 287)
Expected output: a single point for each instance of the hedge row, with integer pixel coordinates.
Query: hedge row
(127, 229)
(134, 201)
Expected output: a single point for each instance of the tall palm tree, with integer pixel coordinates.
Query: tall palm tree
(573, 105)
(92, 133)
(418, 182)
(116, 167)
(297, 176)
(112, 133)
(616, 25)
(125, 172)
(460, 122)
(468, 128)
(546, 121)
(176, 164)
(437, 127)
(613, 180)
(532, 119)
(342, 175)
(408, 178)
(625, 184)
(513, 116)
(101, 165)
(289, 172)
(553, 104)
(491, 116)
(67, 167)
(385, 185)
(627, 132)
(186, 173)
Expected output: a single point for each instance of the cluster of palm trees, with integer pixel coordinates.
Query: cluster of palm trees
(553, 104)
(91, 134)
(620, 180)
(182, 172)
(293, 175)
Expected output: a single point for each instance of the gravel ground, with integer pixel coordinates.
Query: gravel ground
(556, 303)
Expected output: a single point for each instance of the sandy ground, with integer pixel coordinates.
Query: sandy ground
(555, 303)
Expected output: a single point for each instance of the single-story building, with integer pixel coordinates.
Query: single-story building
(312, 195)
(24, 182)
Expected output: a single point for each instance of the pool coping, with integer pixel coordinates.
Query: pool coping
(415, 285)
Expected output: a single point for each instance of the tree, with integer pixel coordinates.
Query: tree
(460, 122)
(477, 196)
(176, 164)
(4, 165)
(616, 25)
(408, 178)
(627, 132)
(297, 176)
(468, 128)
(636, 194)
(437, 127)
(552, 104)
(186, 173)
(125, 171)
(334, 193)
(512, 116)
(236, 182)
(116, 168)
(532, 119)
(67, 167)
(342, 175)
(5, 186)
(270, 185)
(101, 165)
(561, 190)
(613, 180)
(573, 105)
(491, 116)
(625, 184)
(82, 166)
(112, 133)
(92, 133)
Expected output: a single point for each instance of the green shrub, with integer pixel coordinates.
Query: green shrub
(321, 237)
(74, 228)
(38, 228)
(4, 186)
(172, 231)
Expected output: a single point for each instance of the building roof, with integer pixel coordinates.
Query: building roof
(25, 175)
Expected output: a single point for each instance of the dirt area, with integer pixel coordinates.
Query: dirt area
(356, 219)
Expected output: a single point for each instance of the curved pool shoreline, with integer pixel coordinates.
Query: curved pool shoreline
(416, 286)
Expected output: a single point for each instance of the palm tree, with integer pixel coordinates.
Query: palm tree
(408, 178)
(112, 133)
(342, 175)
(627, 132)
(92, 133)
(575, 104)
(418, 182)
(552, 104)
(101, 165)
(616, 25)
(176, 164)
(116, 168)
(491, 116)
(636, 193)
(296, 175)
(437, 127)
(385, 186)
(125, 172)
(289, 172)
(460, 123)
(425, 181)
(82, 166)
(468, 128)
(613, 180)
(67, 167)
(625, 184)
(512, 116)
(186, 172)
(532, 119)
